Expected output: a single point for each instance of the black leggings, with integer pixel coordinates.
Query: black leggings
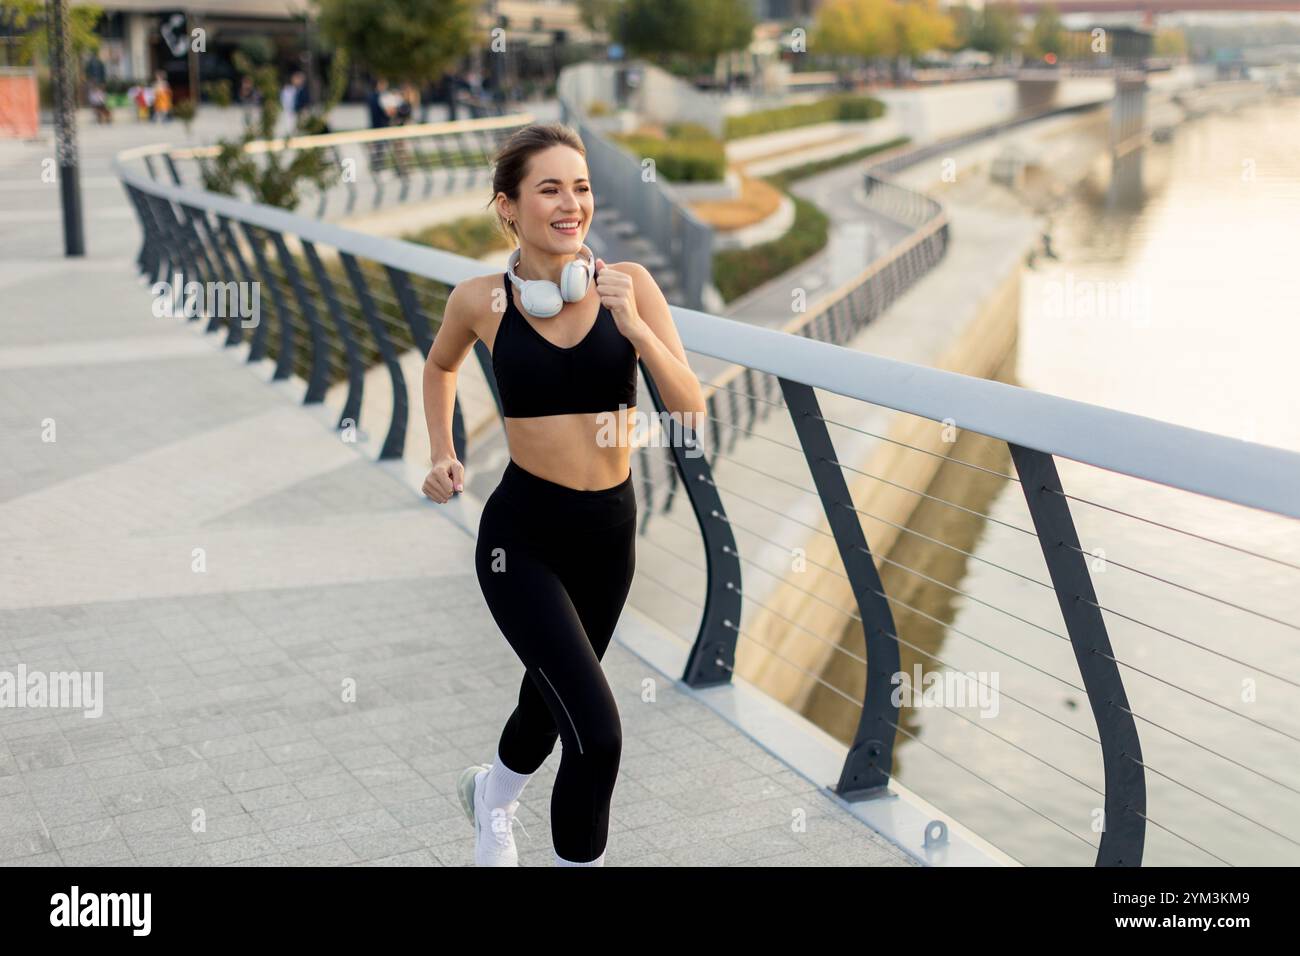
(555, 565)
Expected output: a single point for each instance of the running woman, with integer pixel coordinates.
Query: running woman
(556, 541)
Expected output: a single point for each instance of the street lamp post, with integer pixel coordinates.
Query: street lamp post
(65, 125)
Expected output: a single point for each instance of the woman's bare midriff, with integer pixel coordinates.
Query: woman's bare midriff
(587, 451)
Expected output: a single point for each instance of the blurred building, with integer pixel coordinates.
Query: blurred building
(141, 36)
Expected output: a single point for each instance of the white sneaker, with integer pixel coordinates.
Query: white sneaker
(494, 840)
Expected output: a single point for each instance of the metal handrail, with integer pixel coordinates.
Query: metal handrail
(352, 137)
(1175, 455)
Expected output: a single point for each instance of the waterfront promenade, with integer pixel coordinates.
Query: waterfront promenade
(236, 573)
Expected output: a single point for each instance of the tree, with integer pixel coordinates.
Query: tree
(699, 29)
(27, 18)
(856, 28)
(259, 49)
(874, 29)
(403, 40)
(599, 16)
(963, 20)
(997, 28)
(919, 26)
(1047, 36)
(277, 178)
(724, 26)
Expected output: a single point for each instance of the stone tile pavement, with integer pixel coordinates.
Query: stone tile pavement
(296, 658)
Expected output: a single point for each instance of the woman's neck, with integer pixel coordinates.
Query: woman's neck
(541, 266)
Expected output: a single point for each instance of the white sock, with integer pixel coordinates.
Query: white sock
(503, 785)
(561, 861)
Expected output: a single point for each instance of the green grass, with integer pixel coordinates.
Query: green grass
(472, 236)
(737, 271)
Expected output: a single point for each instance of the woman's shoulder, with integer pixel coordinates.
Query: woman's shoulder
(479, 297)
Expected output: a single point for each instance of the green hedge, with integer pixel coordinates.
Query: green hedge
(840, 107)
(736, 271)
(690, 154)
(789, 175)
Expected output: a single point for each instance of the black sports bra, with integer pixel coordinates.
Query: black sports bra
(537, 377)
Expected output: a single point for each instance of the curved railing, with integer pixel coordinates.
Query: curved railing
(339, 300)
(373, 167)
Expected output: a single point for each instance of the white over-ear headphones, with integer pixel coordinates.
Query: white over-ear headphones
(542, 297)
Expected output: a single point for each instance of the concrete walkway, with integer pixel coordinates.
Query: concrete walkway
(296, 658)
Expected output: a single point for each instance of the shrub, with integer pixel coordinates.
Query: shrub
(689, 154)
(736, 271)
(842, 107)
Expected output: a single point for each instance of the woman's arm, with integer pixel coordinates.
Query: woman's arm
(451, 344)
(648, 323)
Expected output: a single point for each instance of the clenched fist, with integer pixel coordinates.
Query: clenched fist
(446, 478)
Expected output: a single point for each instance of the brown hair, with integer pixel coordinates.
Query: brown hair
(511, 162)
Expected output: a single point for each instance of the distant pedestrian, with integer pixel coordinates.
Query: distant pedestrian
(136, 96)
(99, 103)
(162, 98)
(248, 98)
(375, 103)
(95, 71)
(293, 98)
(408, 103)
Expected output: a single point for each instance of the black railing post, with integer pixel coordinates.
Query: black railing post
(396, 437)
(1124, 815)
(178, 264)
(422, 335)
(869, 762)
(199, 252)
(146, 259)
(319, 379)
(227, 274)
(356, 367)
(713, 654)
(284, 360)
(171, 169)
(257, 348)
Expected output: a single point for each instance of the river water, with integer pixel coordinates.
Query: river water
(1185, 309)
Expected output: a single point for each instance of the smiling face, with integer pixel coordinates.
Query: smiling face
(554, 190)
